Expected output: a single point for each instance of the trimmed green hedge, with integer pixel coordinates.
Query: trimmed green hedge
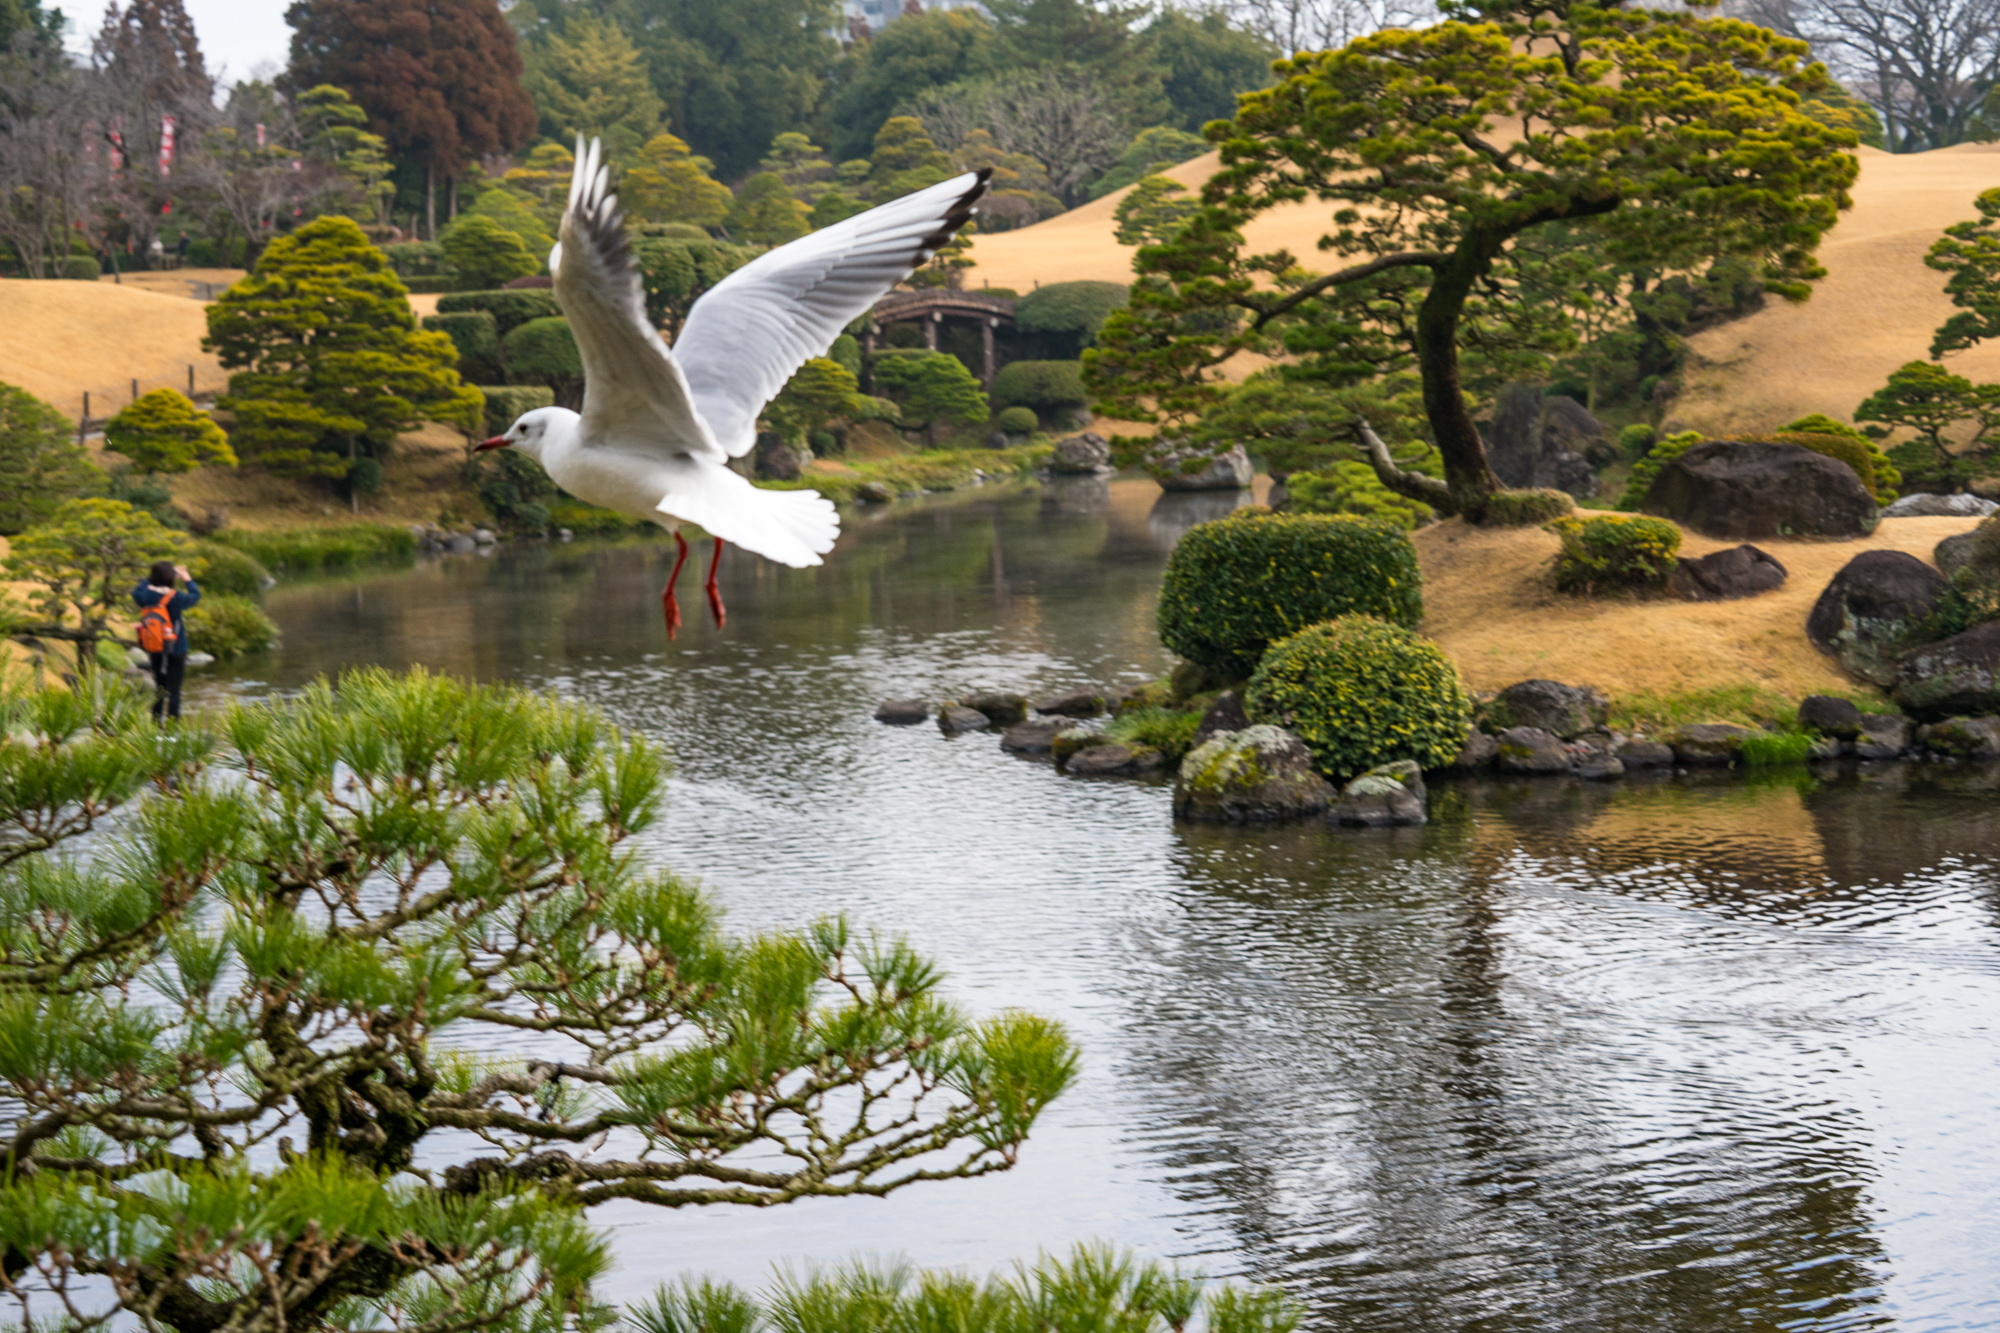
(1046, 386)
(1607, 551)
(1348, 487)
(543, 347)
(81, 268)
(223, 569)
(1017, 421)
(510, 308)
(1235, 586)
(505, 402)
(1520, 509)
(1361, 692)
(228, 626)
(476, 335)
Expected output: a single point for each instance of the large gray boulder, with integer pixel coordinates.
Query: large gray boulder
(1178, 466)
(1085, 453)
(1542, 442)
(1258, 775)
(1830, 716)
(1963, 737)
(1532, 750)
(1566, 711)
(1737, 489)
(1884, 736)
(1952, 677)
(1001, 709)
(1956, 552)
(778, 460)
(1867, 614)
(1722, 576)
(1708, 743)
(1940, 506)
(1085, 702)
(1387, 795)
(902, 712)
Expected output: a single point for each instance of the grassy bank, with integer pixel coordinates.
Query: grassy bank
(930, 470)
(312, 550)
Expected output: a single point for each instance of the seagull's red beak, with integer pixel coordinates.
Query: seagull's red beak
(497, 442)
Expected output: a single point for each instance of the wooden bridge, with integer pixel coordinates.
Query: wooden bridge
(933, 306)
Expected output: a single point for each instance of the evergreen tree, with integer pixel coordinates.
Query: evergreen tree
(1677, 139)
(41, 464)
(765, 212)
(904, 160)
(162, 431)
(913, 54)
(1207, 64)
(335, 132)
(439, 79)
(330, 363)
(590, 80)
(677, 271)
(1954, 424)
(484, 255)
(81, 563)
(930, 390)
(230, 955)
(670, 184)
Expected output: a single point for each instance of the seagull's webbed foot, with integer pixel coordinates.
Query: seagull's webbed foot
(714, 593)
(667, 601)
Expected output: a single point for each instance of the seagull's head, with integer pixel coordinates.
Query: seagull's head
(532, 431)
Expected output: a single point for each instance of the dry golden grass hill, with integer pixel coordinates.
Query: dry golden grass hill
(1488, 602)
(1876, 308)
(1079, 245)
(60, 340)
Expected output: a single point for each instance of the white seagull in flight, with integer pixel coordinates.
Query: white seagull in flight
(658, 428)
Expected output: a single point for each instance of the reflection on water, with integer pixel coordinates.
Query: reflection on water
(1671, 1054)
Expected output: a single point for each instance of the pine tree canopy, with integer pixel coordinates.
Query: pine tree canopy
(231, 953)
(1675, 139)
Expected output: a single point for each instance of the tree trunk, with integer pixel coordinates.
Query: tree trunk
(430, 203)
(1466, 474)
(451, 199)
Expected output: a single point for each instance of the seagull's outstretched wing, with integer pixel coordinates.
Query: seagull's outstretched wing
(748, 334)
(633, 393)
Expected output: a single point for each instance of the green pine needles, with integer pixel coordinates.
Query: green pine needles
(341, 1012)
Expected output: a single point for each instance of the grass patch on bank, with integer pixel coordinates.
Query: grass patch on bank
(297, 551)
(1776, 751)
(1168, 730)
(1745, 705)
(930, 470)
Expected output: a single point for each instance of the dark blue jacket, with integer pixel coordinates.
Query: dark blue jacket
(147, 595)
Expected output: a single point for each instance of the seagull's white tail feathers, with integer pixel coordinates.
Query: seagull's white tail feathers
(793, 528)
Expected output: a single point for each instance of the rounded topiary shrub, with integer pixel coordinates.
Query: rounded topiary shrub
(1520, 509)
(1611, 551)
(1046, 386)
(1360, 692)
(1017, 421)
(1235, 586)
(225, 626)
(224, 570)
(81, 268)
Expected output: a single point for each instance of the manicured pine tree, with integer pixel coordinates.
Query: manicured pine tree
(330, 363)
(440, 79)
(41, 464)
(484, 255)
(163, 431)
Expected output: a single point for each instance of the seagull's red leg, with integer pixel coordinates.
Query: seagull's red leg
(715, 593)
(667, 602)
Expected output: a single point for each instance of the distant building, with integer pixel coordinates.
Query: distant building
(862, 17)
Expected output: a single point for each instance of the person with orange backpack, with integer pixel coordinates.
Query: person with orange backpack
(163, 633)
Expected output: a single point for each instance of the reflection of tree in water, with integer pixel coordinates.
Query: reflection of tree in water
(1420, 1114)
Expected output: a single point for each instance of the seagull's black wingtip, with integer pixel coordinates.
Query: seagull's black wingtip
(960, 212)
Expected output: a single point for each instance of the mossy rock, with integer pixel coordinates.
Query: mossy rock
(1262, 774)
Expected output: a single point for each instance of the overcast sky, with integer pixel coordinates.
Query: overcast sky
(239, 38)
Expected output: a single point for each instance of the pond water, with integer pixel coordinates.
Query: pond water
(1687, 1054)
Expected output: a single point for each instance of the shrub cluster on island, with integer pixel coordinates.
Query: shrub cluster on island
(1304, 690)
